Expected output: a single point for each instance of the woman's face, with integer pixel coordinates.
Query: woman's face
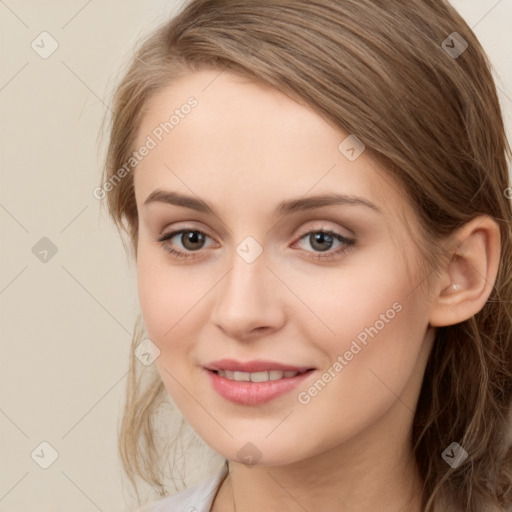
(263, 282)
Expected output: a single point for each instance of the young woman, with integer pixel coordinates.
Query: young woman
(317, 199)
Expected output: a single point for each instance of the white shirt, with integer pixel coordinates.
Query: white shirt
(198, 498)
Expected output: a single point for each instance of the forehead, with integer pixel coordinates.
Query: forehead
(246, 143)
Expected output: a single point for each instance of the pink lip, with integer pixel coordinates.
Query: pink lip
(253, 366)
(254, 393)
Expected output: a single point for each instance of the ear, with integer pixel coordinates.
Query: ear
(467, 281)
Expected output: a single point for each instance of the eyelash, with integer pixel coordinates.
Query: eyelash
(349, 243)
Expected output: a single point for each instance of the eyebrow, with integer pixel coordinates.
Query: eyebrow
(284, 208)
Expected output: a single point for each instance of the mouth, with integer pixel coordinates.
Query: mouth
(255, 366)
(263, 376)
(255, 387)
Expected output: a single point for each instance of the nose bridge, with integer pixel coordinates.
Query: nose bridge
(247, 278)
(247, 299)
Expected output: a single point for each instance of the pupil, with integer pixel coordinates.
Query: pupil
(319, 240)
(193, 237)
(322, 237)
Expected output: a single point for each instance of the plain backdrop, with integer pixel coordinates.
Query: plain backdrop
(67, 290)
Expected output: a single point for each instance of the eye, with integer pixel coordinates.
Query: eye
(190, 240)
(322, 241)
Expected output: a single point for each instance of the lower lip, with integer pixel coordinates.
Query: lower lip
(254, 393)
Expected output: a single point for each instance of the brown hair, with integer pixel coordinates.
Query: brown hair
(378, 69)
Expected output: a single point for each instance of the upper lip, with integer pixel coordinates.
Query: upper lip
(254, 366)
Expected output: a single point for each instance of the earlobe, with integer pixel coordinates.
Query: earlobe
(466, 282)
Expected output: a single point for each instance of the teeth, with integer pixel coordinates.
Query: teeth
(256, 376)
(259, 376)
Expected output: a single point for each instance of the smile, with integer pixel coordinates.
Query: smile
(256, 376)
(244, 388)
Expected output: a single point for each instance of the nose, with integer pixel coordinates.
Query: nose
(248, 300)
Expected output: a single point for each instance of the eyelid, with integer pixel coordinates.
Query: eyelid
(310, 228)
(319, 225)
(327, 231)
(165, 237)
(347, 241)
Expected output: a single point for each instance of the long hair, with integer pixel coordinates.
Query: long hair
(423, 101)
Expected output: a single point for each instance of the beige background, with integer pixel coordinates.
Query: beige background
(66, 323)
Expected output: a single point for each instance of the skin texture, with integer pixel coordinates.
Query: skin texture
(245, 148)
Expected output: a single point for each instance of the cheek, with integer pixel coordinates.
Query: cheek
(372, 360)
(370, 325)
(173, 303)
(162, 295)
(153, 292)
(166, 297)
(343, 301)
